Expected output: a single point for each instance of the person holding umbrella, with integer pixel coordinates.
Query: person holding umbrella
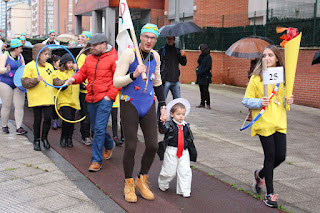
(171, 57)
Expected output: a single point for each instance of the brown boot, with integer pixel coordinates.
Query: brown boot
(129, 191)
(142, 185)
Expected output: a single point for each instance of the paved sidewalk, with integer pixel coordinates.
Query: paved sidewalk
(31, 182)
(231, 155)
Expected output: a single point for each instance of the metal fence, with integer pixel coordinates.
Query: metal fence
(221, 31)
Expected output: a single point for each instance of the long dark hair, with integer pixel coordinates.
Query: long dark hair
(205, 50)
(258, 69)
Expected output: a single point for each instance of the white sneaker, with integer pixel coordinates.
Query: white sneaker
(87, 141)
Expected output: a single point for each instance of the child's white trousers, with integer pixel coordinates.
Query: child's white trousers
(171, 166)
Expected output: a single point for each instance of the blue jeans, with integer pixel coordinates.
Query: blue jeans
(174, 87)
(99, 113)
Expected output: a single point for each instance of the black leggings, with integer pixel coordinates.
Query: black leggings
(274, 148)
(85, 124)
(69, 114)
(205, 95)
(130, 120)
(37, 115)
(114, 119)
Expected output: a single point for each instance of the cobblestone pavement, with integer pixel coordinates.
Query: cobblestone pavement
(31, 182)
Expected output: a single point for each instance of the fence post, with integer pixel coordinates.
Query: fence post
(254, 23)
(267, 17)
(314, 22)
(182, 37)
(222, 40)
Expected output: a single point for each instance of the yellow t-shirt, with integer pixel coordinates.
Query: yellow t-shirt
(42, 94)
(81, 58)
(70, 96)
(275, 117)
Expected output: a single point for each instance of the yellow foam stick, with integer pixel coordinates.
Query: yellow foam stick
(291, 51)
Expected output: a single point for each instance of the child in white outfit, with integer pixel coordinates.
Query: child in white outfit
(177, 149)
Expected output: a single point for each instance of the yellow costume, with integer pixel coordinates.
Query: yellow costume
(275, 117)
(70, 96)
(41, 94)
(81, 58)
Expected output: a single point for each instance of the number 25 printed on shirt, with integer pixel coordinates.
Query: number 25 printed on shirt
(273, 75)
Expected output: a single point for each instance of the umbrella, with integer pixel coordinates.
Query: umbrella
(316, 58)
(249, 47)
(66, 38)
(178, 29)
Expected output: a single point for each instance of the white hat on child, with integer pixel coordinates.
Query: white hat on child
(178, 100)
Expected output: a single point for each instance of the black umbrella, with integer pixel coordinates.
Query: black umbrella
(316, 58)
(178, 29)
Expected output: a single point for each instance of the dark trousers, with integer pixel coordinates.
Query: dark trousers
(85, 124)
(68, 113)
(205, 95)
(114, 119)
(54, 113)
(37, 115)
(130, 121)
(274, 148)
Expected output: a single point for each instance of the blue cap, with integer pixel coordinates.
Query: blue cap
(51, 31)
(72, 42)
(22, 38)
(23, 34)
(150, 28)
(87, 34)
(15, 43)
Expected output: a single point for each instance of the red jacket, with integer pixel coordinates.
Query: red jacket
(99, 71)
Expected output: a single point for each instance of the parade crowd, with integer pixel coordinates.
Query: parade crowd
(100, 83)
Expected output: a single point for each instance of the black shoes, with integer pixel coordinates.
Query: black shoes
(36, 145)
(117, 141)
(271, 200)
(69, 142)
(5, 129)
(45, 143)
(200, 106)
(257, 182)
(21, 131)
(63, 142)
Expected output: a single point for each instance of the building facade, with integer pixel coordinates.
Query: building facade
(19, 20)
(3, 11)
(42, 17)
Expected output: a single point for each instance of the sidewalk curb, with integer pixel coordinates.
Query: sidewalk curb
(97, 196)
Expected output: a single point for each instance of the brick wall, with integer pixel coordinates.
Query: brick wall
(234, 71)
(209, 13)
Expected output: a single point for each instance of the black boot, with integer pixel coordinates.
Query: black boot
(45, 142)
(63, 141)
(36, 145)
(69, 142)
(69, 138)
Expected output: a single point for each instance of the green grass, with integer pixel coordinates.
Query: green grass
(11, 169)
